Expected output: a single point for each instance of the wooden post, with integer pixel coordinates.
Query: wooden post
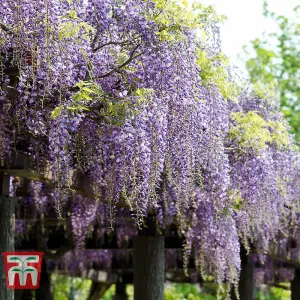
(98, 290)
(120, 292)
(295, 286)
(44, 292)
(7, 226)
(149, 263)
(24, 295)
(246, 282)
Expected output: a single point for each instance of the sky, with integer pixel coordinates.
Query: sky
(245, 22)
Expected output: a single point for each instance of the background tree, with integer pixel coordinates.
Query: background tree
(277, 58)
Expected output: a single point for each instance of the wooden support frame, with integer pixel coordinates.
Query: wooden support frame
(98, 290)
(120, 292)
(7, 226)
(149, 263)
(44, 292)
(246, 282)
(295, 286)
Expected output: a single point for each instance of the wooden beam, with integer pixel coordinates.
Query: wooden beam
(93, 274)
(25, 166)
(126, 273)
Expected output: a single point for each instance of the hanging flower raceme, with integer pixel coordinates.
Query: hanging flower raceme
(263, 171)
(83, 216)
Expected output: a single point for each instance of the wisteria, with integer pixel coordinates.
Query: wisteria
(82, 260)
(85, 260)
(129, 95)
(270, 271)
(82, 218)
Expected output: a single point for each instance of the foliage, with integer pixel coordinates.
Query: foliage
(252, 131)
(277, 58)
(69, 288)
(185, 292)
(80, 287)
(273, 293)
(172, 292)
(172, 15)
(214, 70)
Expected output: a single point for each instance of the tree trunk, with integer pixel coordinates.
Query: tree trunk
(7, 224)
(295, 286)
(149, 263)
(120, 292)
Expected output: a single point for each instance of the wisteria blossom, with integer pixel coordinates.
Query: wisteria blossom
(136, 97)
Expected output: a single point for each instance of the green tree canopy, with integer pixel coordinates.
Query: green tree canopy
(276, 58)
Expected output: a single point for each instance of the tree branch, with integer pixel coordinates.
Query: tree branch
(128, 61)
(111, 43)
(5, 28)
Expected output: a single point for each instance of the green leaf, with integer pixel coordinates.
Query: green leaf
(80, 107)
(88, 90)
(73, 14)
(86, 96)
(250, 130)
(80, 84)
(56, 112)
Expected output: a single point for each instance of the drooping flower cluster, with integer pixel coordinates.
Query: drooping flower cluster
(215, 241)
(82, 218)
(265, 168)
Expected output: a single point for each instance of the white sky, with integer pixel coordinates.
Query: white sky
(246, 22)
